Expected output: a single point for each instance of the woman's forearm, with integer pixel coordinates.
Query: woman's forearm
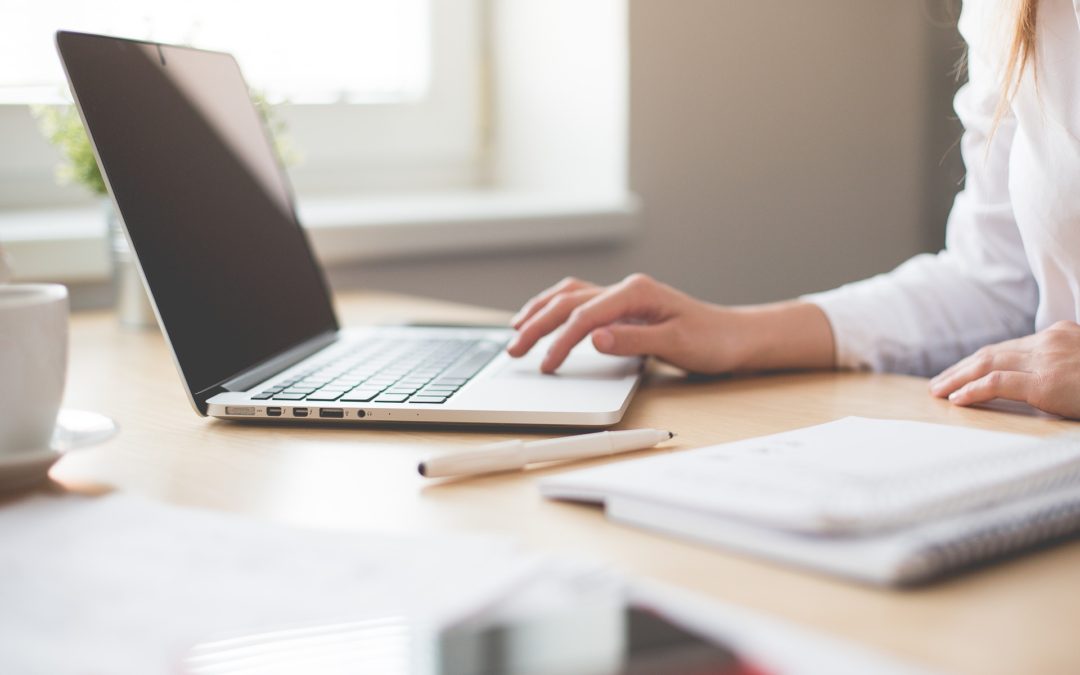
(641, 316)
(784, 335)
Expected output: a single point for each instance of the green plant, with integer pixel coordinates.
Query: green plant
(63, 127)
(286, 149)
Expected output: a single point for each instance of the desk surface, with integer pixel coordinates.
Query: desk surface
(1015, 617)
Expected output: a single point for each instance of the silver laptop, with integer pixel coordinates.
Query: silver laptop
(237, 291)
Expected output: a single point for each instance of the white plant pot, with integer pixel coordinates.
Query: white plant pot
(7, 272)
(133, 308)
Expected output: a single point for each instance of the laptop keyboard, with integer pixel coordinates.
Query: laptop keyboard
(384, 370)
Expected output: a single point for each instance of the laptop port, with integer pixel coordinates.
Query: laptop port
(299, 412)
(273, 412)
(336, 413)
(239, 410)
(361, 413)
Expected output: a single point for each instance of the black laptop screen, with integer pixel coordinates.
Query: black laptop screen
(204, 199)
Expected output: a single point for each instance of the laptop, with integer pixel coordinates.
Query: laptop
(236, 288)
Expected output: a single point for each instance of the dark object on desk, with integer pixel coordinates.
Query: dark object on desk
(650, 644)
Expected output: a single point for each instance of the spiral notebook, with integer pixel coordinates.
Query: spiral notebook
(883, 501)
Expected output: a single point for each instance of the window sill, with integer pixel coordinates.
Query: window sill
(68, 245)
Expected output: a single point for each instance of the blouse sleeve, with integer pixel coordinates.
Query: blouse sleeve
(937, 308)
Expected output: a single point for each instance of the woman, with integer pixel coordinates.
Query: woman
(997, 309)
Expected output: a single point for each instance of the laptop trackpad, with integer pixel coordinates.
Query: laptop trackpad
(584, 362)
(587, 381)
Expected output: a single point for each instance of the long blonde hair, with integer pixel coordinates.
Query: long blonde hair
(1021, 53)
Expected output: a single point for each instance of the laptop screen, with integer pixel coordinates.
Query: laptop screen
(204, 199)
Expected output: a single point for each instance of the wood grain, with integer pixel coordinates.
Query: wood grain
(1014, 617)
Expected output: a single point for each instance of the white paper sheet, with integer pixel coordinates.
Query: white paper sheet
(124, 585)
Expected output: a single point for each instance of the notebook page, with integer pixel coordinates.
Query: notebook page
(851, 474)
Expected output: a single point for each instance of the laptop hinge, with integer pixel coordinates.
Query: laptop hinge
(266, 369)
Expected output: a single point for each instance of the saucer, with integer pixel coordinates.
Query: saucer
(74, 429)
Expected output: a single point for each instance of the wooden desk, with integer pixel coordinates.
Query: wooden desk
(1016, 617)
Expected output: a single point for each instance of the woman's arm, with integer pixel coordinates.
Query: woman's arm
(927, 314)
(641, 316)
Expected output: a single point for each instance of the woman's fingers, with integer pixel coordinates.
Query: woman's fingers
(1040, 369)
(550, 316)
(1011, 385)
(540, 300)
(979, 365)
(1023, 344)
(581, 308)
(628, 299)
(633, 339)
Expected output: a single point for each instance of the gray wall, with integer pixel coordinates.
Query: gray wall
(778, 148)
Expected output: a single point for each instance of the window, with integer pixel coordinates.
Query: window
(359, 51)
(510, 116)
(378, 94)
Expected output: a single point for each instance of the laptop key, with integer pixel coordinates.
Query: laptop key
(434, 394)
(359, 397)
(290, 397)
(456, 381)
(263, 396)
(325, 396)
(392, 398)
(367, 386)
(427, 399)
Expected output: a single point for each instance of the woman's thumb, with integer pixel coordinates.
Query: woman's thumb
(630, 339)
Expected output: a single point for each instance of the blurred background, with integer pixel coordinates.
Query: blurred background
(479, 150)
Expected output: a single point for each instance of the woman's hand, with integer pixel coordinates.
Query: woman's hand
(641, 316)
(1041, 369)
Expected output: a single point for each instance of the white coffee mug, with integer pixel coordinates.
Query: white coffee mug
(33, 363)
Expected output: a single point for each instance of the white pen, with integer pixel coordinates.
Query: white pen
(512, 455)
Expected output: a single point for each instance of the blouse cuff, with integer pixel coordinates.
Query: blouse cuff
(854, 343)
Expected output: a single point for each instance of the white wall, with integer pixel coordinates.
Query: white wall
(778, 148)
(560, 120)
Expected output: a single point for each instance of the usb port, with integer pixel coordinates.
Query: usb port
(332, 412)
(273, 412)
(299, 412)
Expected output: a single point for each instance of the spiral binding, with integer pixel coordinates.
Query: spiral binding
(1049, 519)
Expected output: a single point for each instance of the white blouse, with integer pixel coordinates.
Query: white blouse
(1011, 265)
